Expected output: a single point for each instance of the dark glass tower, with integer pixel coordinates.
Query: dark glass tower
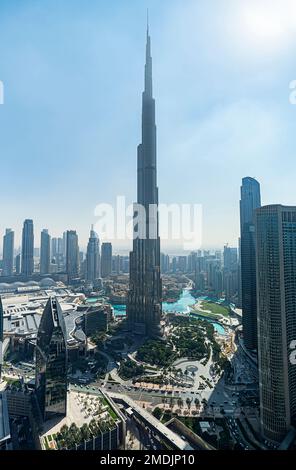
(250, 200)
(28, 248)
(8, 249)
(276, 303)
(106, 259)
(93, 257)
(72, 255)
(52, 362)
(45, 252)
(144, 298)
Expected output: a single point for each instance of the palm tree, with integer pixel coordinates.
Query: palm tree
(180, 402)
(85, 432)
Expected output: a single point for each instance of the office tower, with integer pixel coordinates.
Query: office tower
(27, 267)
(230, 285)
(250, 200)
(57, 247)
(229, 258)
(239, 297)
(57, 254)
(52, 362)
(182, 264)
(164, 263)
(93, 257)
(116, 264)
(45, 252)
(18, 264)
(174, 265)
(230, 274)
(106, 259)
(1, 336)
(214, 276)
(8, 248)
(191, 262)
(144, 309)
(72, 258)
(276, 301)
(65, 245)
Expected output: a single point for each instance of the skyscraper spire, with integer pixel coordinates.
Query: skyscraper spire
(148, 65)
(144, 308)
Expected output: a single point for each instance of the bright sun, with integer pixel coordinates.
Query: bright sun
(264, 23)
(270, 21)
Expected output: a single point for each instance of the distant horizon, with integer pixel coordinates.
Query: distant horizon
(71, 116)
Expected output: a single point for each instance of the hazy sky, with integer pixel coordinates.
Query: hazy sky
(70, 123)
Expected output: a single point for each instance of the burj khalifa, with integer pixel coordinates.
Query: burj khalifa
(144, 310)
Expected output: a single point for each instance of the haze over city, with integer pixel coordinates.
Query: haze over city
(70, 120)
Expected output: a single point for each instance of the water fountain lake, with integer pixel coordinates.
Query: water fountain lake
(182, 305)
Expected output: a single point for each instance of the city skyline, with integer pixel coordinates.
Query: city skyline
(240, 124)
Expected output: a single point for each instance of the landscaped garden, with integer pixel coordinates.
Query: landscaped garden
(214, 308)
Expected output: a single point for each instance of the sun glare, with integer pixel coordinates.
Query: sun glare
(271, 23)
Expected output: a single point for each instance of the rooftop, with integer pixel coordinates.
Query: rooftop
(82, 409)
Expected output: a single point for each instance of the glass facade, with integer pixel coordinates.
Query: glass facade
(250, 200)
(276, 282)
(52, 362)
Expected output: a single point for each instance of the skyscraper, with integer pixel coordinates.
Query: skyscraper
(230, 273)
(144, 299)
(250, 200)
(1, 335)
(276, 301)
(93, 257)
(27, 267)
(106, 259)
(72, 257)
(52, 362)
(18, 264)
(8, 248)
(45, 252)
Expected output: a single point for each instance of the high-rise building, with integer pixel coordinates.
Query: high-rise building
(230, 274)
(57, 254)
(191, 262)
(27, 267)
(18, 264)
(144, 308)
(106, 259)
(93, 257)
(8, 249)
(52, 362)
(276, 301)
(57, 247)
(72, 258)
(1, 335)
(65, 244)
(250, 200)
(164, 263)
(45, 252)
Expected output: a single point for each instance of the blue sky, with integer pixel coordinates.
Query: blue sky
(70, 124)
